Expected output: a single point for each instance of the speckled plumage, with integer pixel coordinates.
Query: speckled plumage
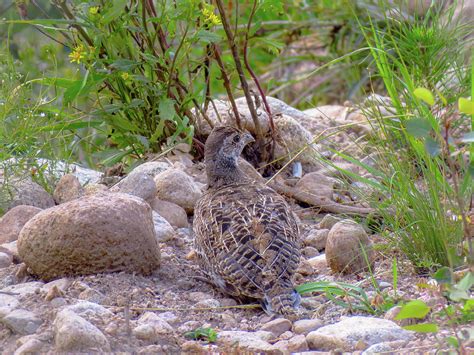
(246, 237)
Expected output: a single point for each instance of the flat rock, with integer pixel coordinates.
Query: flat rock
(22, 321)
(151, 327)
(24, 289)
(178, 187)
(31, 346)
(106, 232)
(305, 326)
(14, 220)
(7, 304)
(348, 248)
(137, 184)
(329, 221)
(11, 249)
(277, 326)
(73, 333)
(163, 230)
(246, 341)
(298, 343)
(316, 184)
(174, 214)
(351, 330)
(68, 188)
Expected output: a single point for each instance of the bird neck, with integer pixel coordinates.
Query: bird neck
(222, 171)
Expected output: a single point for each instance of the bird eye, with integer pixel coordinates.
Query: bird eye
(236, 139)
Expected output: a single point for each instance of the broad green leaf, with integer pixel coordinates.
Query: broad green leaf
(466, 282)
(443, 275)
(113, 156)
(424, 95)
(418, 127)
(469, 305)
(207, 334)
(124, 64)
(166, 109)
(466, 106)
(432, 147)
(413, 309)
(457, 294)
(73, 91)
(208, 36)
(117, 9)
(422, 328)
(468, 137)
(72, 125)
(453, 341)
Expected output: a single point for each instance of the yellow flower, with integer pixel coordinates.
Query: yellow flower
(78, 54)
(93, 10)
(125, 76)
(210, 17)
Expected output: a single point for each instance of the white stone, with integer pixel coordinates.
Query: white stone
(371, 330)
(159, 325)
(277, 326)
(247, 341)
(73, 333)
(163, 230)
(86, 308)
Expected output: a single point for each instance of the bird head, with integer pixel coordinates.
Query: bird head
(226, 143)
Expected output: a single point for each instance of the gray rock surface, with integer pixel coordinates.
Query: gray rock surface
(22, 321)
(305, 326)
(57, 242)
(137, 184)
(163, 230)
(247, 341)
(26, 192)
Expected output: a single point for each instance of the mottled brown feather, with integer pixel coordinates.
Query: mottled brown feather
(246, 237)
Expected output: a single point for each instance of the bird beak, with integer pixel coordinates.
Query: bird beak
(247, 138)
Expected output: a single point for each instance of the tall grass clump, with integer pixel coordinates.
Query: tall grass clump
(423, 148)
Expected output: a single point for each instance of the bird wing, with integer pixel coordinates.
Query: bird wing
(247, 239)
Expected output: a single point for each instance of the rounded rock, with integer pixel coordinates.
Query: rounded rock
(14, 220)
(67, 189)
(178, 187)
(174, 214)
(137, 184)
(93, 234)
(348, 248)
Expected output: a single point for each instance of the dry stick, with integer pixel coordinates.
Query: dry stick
(251, 72)
(240, 71)
(227, 85)
(198, 309)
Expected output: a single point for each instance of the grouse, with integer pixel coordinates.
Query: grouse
(246, 237)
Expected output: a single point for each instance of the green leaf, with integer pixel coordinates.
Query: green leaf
(466, 106)
(466, 282)
(468, 137)
(166, 109)
(418, 127)
(72, 125)
(124, 64)
(469, 305)
(395, 275)
(452, 341)
(208, 36)
(432, 147)
(443, 275)
(114, 11)
(422, 328)
(207, 334)
(413, 309)
(73, 91)
(424, 95)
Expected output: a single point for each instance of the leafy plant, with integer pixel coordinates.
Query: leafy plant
(206, 334)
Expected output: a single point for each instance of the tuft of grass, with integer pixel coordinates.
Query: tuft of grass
(421, 170)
